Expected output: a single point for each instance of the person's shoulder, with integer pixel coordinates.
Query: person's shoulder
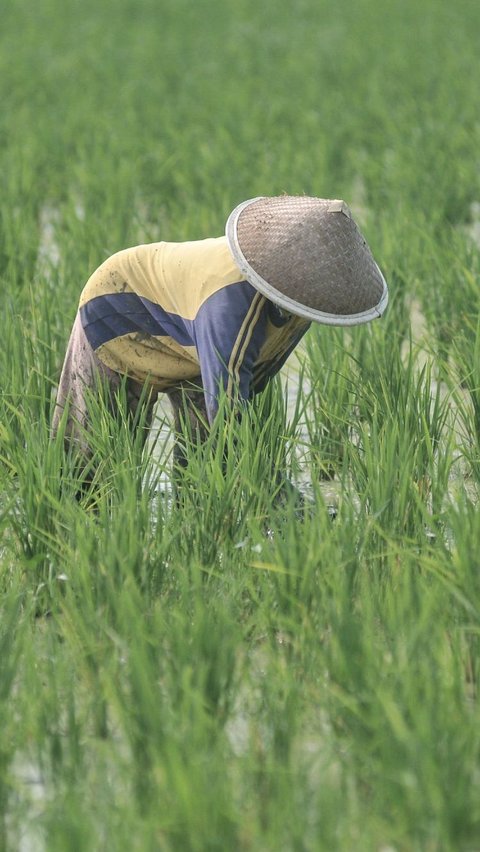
(209, 268)
(212, 254)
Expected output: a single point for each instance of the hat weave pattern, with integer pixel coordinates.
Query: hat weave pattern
(308, 255)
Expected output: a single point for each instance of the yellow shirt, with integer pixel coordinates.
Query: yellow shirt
(170, 312)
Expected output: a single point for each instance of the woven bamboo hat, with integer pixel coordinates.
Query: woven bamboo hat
(307, 256)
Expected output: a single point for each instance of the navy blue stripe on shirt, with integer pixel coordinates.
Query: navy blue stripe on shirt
(106, 317)
(229, 336)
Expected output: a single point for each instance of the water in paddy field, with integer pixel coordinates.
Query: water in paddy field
(30, 781)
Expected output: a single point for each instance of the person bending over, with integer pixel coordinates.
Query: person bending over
(194, 319)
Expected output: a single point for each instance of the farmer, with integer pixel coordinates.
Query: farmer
(190, 319)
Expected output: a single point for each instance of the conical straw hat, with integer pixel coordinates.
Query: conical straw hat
(307, 256)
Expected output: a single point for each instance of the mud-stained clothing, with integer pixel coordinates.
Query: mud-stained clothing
(83, 374)
(169, 313)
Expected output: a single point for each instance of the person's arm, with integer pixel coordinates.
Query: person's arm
(229, 332)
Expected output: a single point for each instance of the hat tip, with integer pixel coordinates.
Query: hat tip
(337, 205)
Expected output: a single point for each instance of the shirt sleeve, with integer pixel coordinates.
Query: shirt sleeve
(230, 329)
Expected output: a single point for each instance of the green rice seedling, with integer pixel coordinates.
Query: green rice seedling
(122, 532)
(93, 653)
(30, 461)
(237, 474)
(461, 575)
(329, 402)
(363, 629)
(163, 694)
(338, 364)
(412, 699)
(465, 382)
(60, 754)
(405, 448)
(273, 769)
(209, 488)
(269, 437)
(10, 648)
(449, 290)
(203, 653)
(19, 232)
(36, 516)
(292, 569)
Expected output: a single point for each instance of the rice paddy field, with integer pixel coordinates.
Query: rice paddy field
(226, 672)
